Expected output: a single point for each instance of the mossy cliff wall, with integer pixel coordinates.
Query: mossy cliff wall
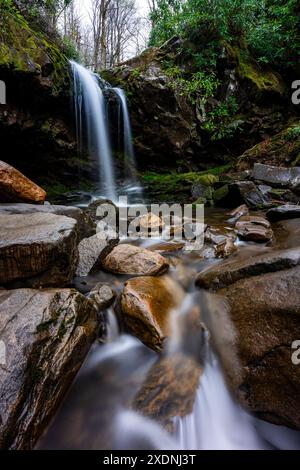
(36, 124)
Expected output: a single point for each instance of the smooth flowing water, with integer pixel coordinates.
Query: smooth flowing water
(128, 397)
(90, 114)
(127, 133)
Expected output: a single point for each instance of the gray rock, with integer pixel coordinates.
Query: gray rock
(231, 271)
(277, 176)
(284, 212)
(47, 334)
(93, 250)
(39, 250)
(85, 225)
(250, 194)
(103, 295)
(97, 211)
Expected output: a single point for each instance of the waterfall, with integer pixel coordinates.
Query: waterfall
(127, 134)
(90, 114)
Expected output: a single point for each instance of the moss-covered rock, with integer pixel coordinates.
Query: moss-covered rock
(282, 149)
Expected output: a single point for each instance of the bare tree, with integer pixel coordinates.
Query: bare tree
(99, 21)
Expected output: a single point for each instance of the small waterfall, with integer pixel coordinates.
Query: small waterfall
(90, 114)
(127, 134)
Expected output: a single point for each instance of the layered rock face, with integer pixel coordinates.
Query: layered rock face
(36, 127)
(38, 250)
(47, 334)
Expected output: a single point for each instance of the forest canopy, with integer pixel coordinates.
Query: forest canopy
(271, 28)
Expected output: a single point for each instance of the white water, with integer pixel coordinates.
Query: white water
(128, 145)
(89, 98)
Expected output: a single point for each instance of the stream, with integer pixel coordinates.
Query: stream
(100, 410)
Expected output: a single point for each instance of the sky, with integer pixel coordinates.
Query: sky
(141, 4)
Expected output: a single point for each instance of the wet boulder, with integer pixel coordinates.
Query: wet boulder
(265, 313)
(136, 261)
(47, 334)
(254, 228)
(146, 305)
(284, 212)
(277, 176)
(233, 270)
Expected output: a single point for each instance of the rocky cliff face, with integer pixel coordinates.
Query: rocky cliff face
(36, 126)
(177, 126)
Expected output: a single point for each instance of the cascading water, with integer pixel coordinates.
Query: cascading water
(91, 120)
(127, 134)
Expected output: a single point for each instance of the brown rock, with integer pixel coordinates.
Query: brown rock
(265, 312)
(146, 304)
(47, 334)
(133, 260)
(254, 228)
(15, 187)
(225, 248)
(169, 390)
(237, 213)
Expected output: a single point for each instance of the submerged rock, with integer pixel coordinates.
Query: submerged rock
(47, 334)
(37, 250)
(15, 187)
(169, 390)
(225, 248)
(146, 304)
(284, 212)
(265, 313)
(133, 260)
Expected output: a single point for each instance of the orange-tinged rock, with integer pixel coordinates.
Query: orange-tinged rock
(16, 187)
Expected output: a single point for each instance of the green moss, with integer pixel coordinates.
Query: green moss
(23, 49)
(221, 193)
(280, 149)
(262, 76)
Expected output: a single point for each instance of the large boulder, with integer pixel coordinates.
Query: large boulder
(37, 250)
(47, 334)
(146, 305)
(16, 187)
(85, 224)
(233, 270)
(277, 176)
(284, 212)
(133, 260)
(265, 313)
